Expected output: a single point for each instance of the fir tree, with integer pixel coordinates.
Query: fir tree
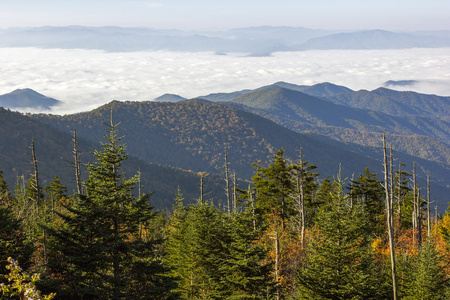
(12, 239)
(339, 262)
(368, 191)
(426, 276)
(273, 187)
(102, 254)
(246, 274)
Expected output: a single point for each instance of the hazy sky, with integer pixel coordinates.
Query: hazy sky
(212, 14)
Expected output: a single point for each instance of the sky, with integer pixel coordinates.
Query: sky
(396, 15)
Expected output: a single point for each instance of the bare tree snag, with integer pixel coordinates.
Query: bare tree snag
(428, 206)
(234, 193)
(201, 188)
(38, 202)
(389, 220)
(76, 155)
(227, 182)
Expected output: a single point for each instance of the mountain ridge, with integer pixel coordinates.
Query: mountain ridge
(27, 98)
(255, 41)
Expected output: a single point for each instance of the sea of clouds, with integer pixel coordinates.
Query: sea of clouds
(86, 79)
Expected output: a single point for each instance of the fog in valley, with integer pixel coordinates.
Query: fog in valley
(86, 79)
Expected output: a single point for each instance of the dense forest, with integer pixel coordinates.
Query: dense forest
(286, 235)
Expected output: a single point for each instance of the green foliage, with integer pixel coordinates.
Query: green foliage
(12, 240)
(425, 275)
(247, 277)
(339, 263)
(101, 253)
(214, 255)
(273, 186)
(21, 284)
(368, 191)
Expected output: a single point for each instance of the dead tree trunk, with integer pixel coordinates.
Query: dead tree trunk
(201, 188)
(428, 207)
(399, 193)
(76, 155)
(252, 202)
(234, 193)
(300, 197)
(389, 221)
(277, 266)
(391, 175)
(36, 176)
(139, 197)
(38, 202)
(227, 182)
(417, 226)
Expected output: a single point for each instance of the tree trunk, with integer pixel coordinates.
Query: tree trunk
(389, 221)
(76, 155)
(399, 193)
(234, 193)
(227, 182)
(201, 188)
(38, 203)
(252, 202)
(428, 206)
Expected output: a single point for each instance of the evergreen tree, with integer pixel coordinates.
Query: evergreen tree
(102, 255)
(214, 255)
(368, 191)
(273, 187)
(197, 244)
(5, 193)
(246, 274)
(425, 275)
(339, 261)
(12, 241)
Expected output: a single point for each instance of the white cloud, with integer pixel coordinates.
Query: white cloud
(85, 79)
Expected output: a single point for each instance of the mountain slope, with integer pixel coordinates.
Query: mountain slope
(287, 106)
(54, 154)
(397, 103)
(27, 98)
(324, 89)
(193, 135)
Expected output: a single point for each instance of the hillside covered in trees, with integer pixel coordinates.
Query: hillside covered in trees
(286, 236)
(266, 194)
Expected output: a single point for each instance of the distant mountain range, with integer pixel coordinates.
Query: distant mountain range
(256, 41)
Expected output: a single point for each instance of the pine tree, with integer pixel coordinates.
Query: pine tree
(368, 191)
(215, 255)
(426, 276)
(247, 276)
(196, 247)
(5, 193)
(12, 239)
(339, 261)
(273, 187)
(102, 255)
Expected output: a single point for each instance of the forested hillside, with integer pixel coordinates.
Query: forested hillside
(419, 136)
(286, 236)
(54, 151)
(397, 103)
(194, 134)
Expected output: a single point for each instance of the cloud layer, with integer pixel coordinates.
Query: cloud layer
(86, 79)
